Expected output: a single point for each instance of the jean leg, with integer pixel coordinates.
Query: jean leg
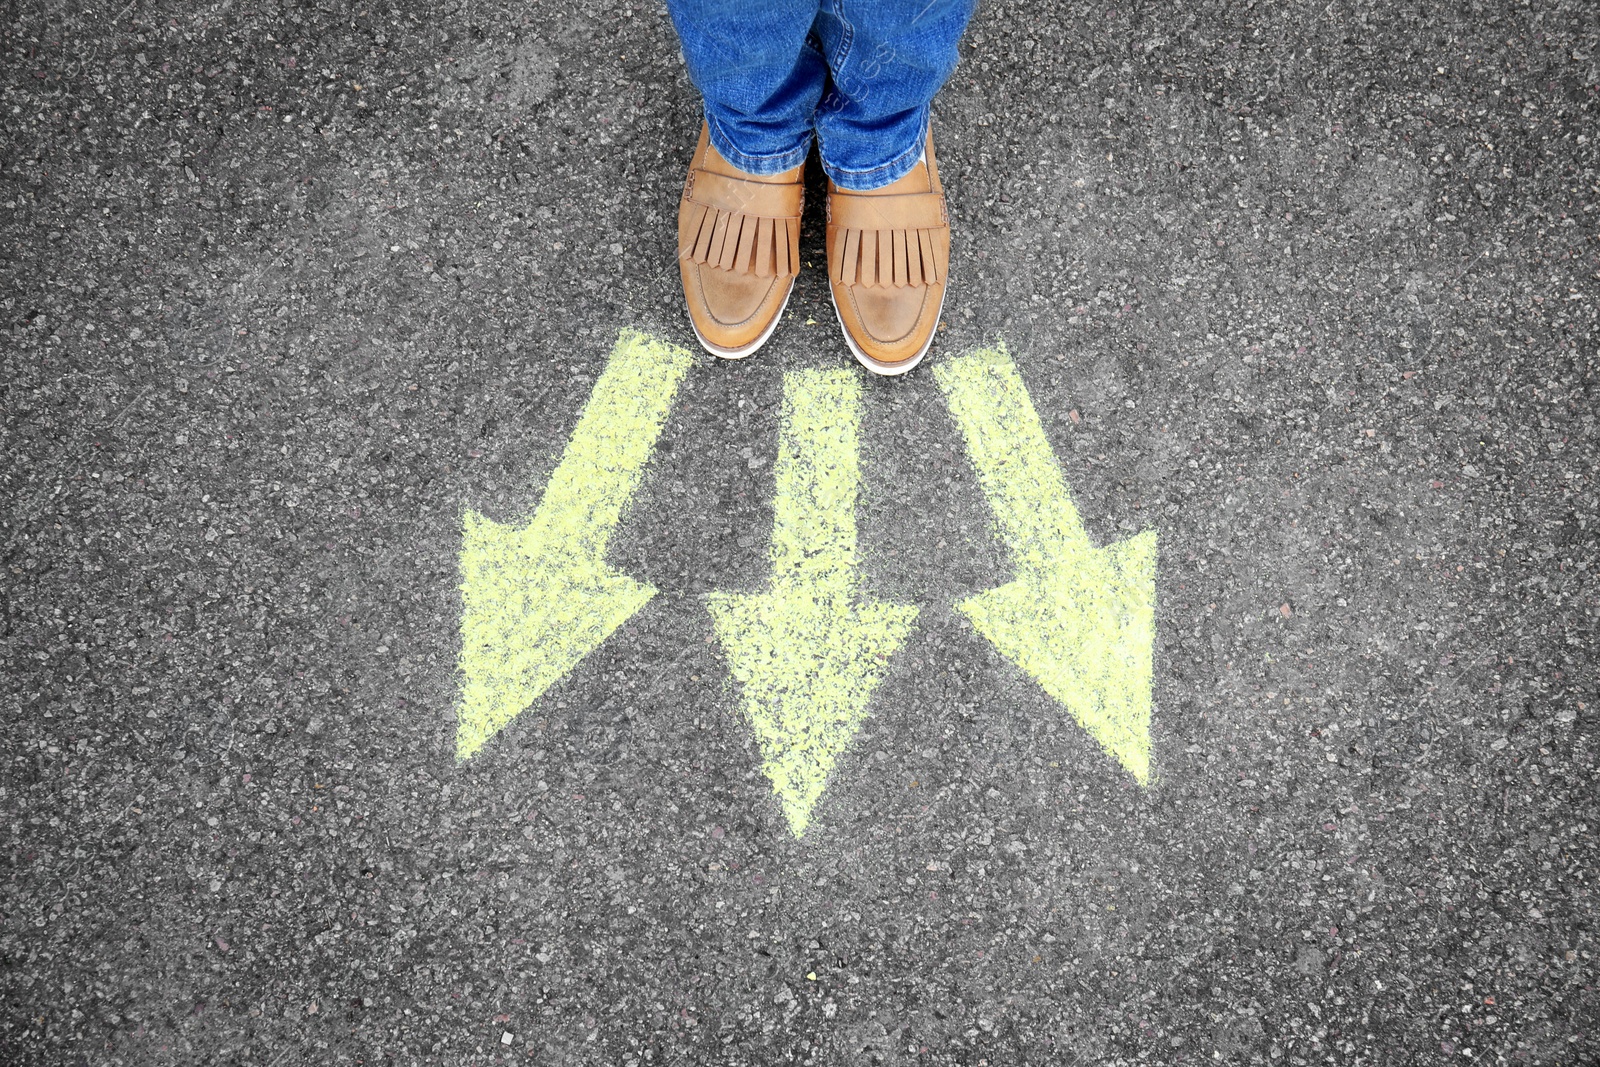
(760, 76)
(887, 59)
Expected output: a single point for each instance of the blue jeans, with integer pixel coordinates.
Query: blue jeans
(861, 74)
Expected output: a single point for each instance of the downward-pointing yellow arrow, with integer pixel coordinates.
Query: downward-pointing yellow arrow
(538, 597)
(1079, 619)
(808, 653)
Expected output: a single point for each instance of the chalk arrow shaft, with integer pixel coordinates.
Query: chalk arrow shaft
(1016, 466)
(816, 474)
(1078, 619)
(809, 652)
(538, 597)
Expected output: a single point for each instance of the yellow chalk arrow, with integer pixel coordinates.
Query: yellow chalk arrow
(1079, 619)
(808, 653)
(538, 597)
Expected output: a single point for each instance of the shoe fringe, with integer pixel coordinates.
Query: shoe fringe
(733, 240)
(885, 258)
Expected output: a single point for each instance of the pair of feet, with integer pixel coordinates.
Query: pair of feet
(739, 252)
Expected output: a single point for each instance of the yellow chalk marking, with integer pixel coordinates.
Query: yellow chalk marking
(1079, 619)
(538, 597)
(808, 652)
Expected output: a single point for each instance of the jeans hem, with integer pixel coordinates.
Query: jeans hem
(764, 165)
(868, 178)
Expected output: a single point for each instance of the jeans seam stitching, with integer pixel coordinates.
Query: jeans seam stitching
(846, 39)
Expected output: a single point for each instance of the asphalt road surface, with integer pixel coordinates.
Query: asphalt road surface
(1306, 291)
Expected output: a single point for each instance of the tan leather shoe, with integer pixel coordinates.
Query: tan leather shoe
(738, 250)
(888, 255)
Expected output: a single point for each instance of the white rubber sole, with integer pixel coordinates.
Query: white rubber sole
(886, 370)
(749, 349)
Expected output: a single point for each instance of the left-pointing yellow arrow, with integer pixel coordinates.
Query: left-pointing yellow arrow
(538, 597)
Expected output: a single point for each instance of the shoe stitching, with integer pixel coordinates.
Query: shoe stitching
(849, 294)
(699, 292)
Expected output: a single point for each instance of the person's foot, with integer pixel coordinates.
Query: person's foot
(738, 250)
(888, 255)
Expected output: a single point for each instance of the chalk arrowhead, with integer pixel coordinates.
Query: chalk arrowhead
(808, 669)
(530, 612)
(1084, 628)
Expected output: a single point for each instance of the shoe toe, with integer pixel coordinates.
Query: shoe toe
(731, 299)
(731, 311)
(888, 315)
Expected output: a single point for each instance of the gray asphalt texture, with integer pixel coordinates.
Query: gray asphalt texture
(1308, 288)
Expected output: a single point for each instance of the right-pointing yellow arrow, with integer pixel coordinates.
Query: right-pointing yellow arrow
(1079, 619)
